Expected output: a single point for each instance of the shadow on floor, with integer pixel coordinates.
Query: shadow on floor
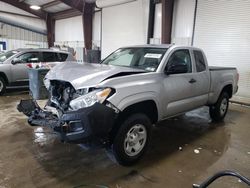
(17, 91)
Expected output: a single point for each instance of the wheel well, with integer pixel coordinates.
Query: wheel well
(228, 89)
(148, 108)
(2, 75)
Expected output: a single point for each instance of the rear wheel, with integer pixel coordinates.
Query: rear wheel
(219, 110)
(131, 140)
(2, 86)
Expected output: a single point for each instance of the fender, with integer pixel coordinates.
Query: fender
(140, 97)
(214, 96)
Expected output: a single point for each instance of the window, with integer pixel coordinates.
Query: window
(199, 61)
(49, 57)
(147, 59)
(121, 59)
(63, 56)
(180, 59)
(30, 57)
(7, 55)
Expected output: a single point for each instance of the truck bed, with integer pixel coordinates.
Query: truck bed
(219, 77)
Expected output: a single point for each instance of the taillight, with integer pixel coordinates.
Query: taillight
(29, 65)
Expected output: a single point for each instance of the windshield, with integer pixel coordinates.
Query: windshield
(147, 59)
(7, 55)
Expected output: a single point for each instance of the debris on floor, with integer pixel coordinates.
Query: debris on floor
(196, 151)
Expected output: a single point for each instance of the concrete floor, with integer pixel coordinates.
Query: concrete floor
(30, 157)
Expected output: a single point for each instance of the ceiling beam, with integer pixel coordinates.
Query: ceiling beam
(66, 14)
(50, 4)
(40, 13)
(167, 18)
(151, 21)
(87, 19)
(50, 23)
(75, 4)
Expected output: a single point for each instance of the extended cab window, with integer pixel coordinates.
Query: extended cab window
(199, 61)
(29, 57)
(179, 62)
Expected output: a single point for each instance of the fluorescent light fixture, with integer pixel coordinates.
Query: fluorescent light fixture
(35, 7)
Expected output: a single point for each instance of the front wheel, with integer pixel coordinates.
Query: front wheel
(2, 86)
(219, 110)
(132, 139)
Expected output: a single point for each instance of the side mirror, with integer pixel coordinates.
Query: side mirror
(16, 61)
(177, 69)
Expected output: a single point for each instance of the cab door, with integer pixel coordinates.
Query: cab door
(178, 83)
(202, 76)
(19, 70)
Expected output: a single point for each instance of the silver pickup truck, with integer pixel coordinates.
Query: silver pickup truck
(115, 103)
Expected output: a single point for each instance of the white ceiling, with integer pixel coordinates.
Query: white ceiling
(57, 8)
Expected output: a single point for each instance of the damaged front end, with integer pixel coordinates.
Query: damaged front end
(75, 115)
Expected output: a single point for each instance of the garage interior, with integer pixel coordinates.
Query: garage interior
(184, 150)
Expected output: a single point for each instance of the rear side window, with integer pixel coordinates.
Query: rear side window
(199, 61)
(49, 57)
(29, 57)
(63, 56)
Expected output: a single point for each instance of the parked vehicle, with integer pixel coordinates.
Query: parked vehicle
(116, 102)
(14, 64)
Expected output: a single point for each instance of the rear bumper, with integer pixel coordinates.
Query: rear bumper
(87, 124)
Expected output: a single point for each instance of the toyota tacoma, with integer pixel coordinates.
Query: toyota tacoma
(115, 103)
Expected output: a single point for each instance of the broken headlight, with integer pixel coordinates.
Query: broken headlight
(91, 98)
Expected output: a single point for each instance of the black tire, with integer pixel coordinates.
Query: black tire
(216, 112)
(117, 151)
(2, 86)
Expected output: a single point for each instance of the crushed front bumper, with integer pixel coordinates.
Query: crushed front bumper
(86, 124)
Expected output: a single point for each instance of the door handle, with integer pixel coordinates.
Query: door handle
(192, 81)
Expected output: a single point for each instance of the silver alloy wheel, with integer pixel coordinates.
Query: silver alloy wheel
(135, 140)
(223, 106)
(1, 85)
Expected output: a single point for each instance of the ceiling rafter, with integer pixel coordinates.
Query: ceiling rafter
(87, 18)
(66, 14)
(40, 13)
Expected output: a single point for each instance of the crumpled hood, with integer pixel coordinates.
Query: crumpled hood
(86, 74)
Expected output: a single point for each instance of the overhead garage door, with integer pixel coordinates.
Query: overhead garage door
(223, 30)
